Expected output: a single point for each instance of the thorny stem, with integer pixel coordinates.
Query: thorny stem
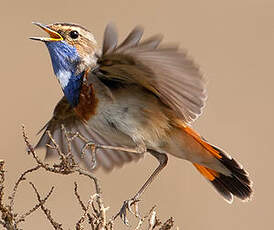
(67, 165)
(90, 219)
(83, 217)
(21, 178)
(56, 225)
(41, 203)
(2, 180)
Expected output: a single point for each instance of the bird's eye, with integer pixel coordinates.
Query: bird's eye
(74, 34)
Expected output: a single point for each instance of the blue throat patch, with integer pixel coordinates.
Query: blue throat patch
(64, 59)
(73, 89)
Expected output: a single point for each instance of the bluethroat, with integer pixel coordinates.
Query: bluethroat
(133, 98)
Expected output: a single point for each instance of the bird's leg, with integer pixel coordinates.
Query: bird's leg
(140, 149)
(162, 158)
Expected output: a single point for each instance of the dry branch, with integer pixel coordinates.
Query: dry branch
(93, 212)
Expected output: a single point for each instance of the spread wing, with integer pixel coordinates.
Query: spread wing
(166, 71)
(65, 115)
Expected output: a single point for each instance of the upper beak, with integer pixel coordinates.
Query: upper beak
(54, 36)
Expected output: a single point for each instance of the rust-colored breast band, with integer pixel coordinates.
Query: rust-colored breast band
(87, 101)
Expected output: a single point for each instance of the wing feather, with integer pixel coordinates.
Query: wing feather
(64, 115)
(132, 39)
(110, 39)
(151, 43)
(166, 71)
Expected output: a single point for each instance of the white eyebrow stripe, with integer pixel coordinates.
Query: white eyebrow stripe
(81, 31)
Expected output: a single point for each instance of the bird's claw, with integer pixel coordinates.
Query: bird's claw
(127, 207)
(93, 147)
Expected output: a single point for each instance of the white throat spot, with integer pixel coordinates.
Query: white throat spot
(63, 77)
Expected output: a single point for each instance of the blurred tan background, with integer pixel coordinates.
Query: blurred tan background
(233, 43)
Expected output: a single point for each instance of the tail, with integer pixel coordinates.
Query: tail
(236, 183)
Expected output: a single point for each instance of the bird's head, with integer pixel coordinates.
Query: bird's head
(73, 50)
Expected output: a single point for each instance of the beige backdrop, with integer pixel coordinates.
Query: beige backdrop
(233, 43)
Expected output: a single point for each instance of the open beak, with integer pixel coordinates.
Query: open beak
(54, 36)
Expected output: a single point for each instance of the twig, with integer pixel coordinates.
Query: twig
(152, 219)
(8, 218)
(41, 202)
(21, 178)
(85, 209)
(94, 211)
(83, 217)
(168, 224)
(2, 180)
(56, 225)
(67, 166)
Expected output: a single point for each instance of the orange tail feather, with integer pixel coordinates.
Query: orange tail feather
(237, 183)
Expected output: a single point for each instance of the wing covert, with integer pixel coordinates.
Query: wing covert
(166, 71)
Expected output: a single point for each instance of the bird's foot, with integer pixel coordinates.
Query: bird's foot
(93, 148)
(127, 206)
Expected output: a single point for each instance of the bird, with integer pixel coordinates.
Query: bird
(136, 97)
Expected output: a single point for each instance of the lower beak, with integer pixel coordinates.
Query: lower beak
(54, 36)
